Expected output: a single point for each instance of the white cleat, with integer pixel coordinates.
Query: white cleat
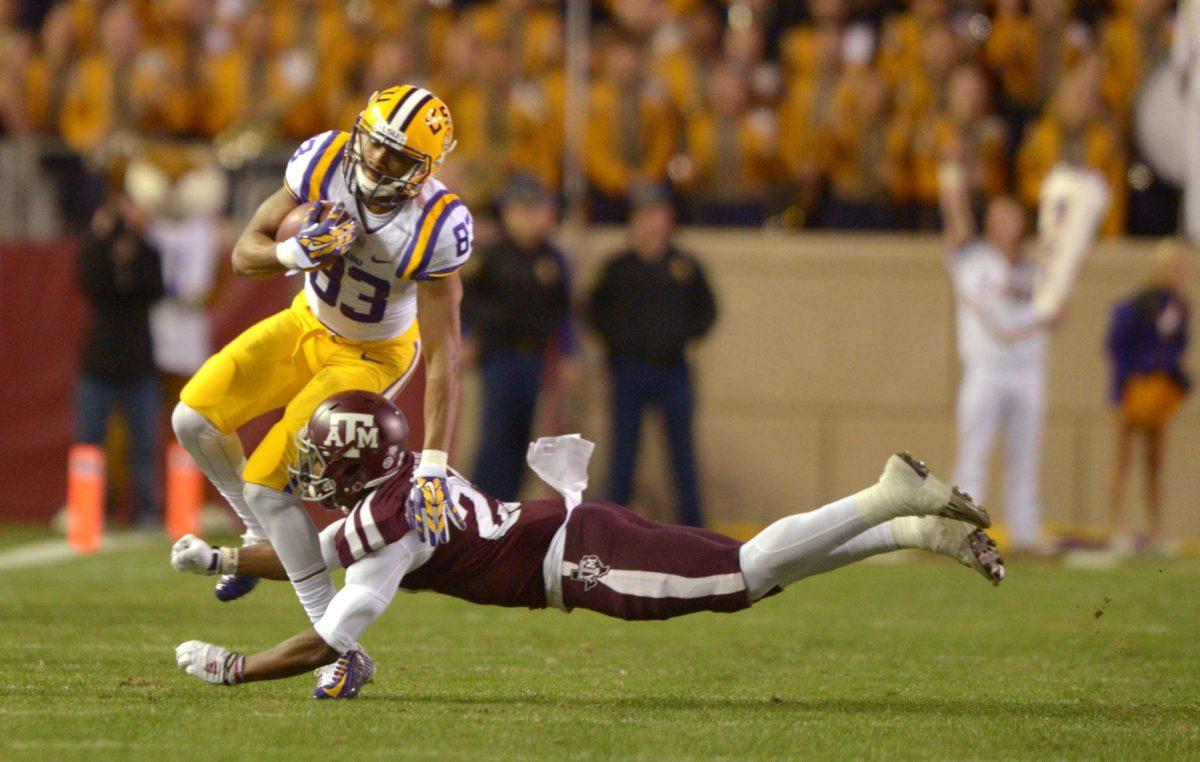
(959, 540)
(909, 484)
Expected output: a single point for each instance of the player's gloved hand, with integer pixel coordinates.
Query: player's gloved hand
(191, 554)
(210, 663)
(327, 234)
(428, 510)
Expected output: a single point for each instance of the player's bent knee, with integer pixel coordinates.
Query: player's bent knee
(189, 424)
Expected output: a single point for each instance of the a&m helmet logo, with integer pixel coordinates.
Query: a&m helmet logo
(353, 431)
(590, 571)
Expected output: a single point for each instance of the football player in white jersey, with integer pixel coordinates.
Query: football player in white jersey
(384, 245)
(1002, 345)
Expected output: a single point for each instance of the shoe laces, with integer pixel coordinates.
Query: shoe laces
(332, 673)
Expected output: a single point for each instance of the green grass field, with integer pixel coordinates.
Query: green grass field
(899, 661)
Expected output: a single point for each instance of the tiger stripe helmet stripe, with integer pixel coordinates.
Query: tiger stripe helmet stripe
(402, 93)
(415, 110)
(409, 108)
(323, 169)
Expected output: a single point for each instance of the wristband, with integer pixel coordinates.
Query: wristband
(434, 459)
(228, 560)
(237, 670)
(288, 253)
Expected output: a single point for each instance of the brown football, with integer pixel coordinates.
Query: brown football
(294, 220)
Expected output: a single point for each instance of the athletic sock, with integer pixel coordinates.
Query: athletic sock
(782, 552)
(296, 543)
(876, 540)
(221, 458)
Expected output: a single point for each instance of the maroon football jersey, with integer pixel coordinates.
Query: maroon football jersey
(496, 560)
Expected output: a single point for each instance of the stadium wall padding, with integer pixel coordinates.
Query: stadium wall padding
(830, 352)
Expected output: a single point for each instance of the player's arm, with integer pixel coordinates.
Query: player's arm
(441, 344)
(958, 226)
(439, 293)
(254, 254)
(371, 583)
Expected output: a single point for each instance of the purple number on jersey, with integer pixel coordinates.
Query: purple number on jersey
(332, 289)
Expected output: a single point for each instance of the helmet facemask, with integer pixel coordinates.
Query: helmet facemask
(310, 470)
(377, 191)
(334, 477)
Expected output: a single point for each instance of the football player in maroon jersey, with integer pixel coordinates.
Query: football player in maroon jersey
(558, 553)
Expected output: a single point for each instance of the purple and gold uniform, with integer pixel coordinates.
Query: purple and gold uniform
(354, 326)
(535, 554)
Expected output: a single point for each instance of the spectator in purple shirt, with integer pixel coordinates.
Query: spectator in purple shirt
(1146, 341)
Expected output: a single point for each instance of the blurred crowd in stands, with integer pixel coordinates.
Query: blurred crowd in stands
(826, 113)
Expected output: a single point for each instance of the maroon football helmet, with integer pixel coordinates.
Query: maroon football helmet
(354, 441)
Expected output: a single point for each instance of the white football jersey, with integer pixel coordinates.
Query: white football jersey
(995, 296)
(371, 293)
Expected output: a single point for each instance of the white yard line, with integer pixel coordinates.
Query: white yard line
(36, 554)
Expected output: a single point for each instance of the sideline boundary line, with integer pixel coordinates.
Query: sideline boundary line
(47, 552)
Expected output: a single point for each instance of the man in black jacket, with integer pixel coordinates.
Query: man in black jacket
(651, 301)
(120, 275)
(516, 305)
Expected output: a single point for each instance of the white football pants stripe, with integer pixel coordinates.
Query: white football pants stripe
(647, 584)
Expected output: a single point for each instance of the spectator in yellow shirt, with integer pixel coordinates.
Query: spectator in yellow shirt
(1076, 130)
(685, 68)
(528, 29)
(630, 133)
(921, 89)
(901, 49)
(965, 131)
(1134, 43)
(48, 72)
(733, 153)
(1031, 52)
(808, 117)
(390, 61)
(867, 184)
(483, 123)
(114, 90)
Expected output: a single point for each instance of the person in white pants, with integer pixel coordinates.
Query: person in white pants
(1002, 345)
(1185, 61)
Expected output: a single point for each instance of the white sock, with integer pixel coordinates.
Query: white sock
(221, 458)
(782, 552)
(295, 540)
(876, 540)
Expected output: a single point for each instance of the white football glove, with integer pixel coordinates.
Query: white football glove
(191, 554)
(212, 664)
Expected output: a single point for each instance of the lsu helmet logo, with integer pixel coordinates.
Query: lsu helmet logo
(590, 571)
(436, 118)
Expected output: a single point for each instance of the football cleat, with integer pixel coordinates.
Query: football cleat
(933, 496)
(959, 540)
(345, 677)
(233, 586)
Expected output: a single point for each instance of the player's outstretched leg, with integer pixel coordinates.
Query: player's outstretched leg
(221, 458)
(799, 546)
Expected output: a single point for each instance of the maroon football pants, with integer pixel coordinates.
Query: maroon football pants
(620, 564)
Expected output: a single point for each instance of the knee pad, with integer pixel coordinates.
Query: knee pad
(189, 425)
